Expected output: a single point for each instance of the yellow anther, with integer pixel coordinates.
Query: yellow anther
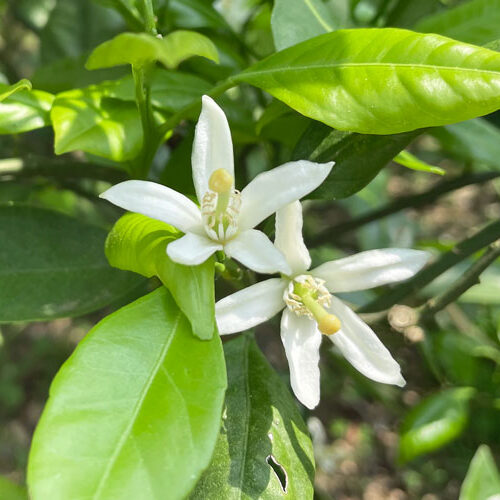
(221, 181)
(329, 324)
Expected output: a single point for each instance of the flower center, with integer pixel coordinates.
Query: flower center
(220, 206)
(307, 296)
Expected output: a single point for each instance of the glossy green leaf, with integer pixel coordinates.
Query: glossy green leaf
(16, 87)
(406, 159)
(137, 243)
(139, 49)
(87, 120)
(475, 21)
(434, 422)
(12, 491)
(359, 158)
(262, 439)
(482, 480)
(23, 110)
(475, 141)
(135, 411)
(382, 81)
(54, 266)
(294, 21)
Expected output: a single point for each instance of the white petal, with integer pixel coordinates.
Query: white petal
(158, 202)
(289, 237)
(271, 190)
(254, 249)
(301, 340)
(251, 306)
(212, 147)
(192, 249)
(370, 269)
(362, 348)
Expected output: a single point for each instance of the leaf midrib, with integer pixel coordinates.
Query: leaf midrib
(136, 410)
(247, 418)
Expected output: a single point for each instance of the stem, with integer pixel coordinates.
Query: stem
(414, 201)
(464, 249)
(466, 281)
(149, 17)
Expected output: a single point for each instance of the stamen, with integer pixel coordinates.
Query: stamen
(221, 181)
(308, 296)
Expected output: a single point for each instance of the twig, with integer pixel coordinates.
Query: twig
(414, 201)
(466, 281)
(461, 251)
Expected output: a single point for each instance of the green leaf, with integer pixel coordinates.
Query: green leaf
(54, 266)
(434, 422)
(482, 480)
(87, 120)
(294, 21)
(476, 21)
(22, 110)
(475, 141)
(12, 491)
(359, 158)
(137, 243)
(193, 14)
(263, 450)
(139, 49)
(406, 159)
(16, 87)
(382, 81)
(135, 411)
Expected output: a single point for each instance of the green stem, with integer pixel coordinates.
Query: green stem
(464, 249)
(149, 17)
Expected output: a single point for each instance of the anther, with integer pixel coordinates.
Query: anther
(221, 181)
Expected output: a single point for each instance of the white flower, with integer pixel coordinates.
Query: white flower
(227, 217)
(310, 309)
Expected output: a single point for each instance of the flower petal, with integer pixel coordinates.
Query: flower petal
(271, 190)
(370, 269)
(362, 348)
(301, 340)
(192, 249)
(251, 306)
(212, 147)
(289, 237)
(158, 202)
(254, 249)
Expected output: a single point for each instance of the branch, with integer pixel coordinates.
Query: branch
(464, 249)
(414, 201)
(466, 281)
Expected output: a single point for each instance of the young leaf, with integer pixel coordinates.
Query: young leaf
(85, 119)
(12, 491)
(22, 110)
(358, 158)
(16, 87)
(476, 21)
(406, 159)
(482, 480)
(53, 266)
(263, 450)
(139, 49)
(434, 422)
(134, 412)
(137, 243)
(382, 81)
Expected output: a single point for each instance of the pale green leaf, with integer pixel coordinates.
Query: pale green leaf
(134, 413)
(263, 450)
(137, 243)
(181, 45)
(475, 21)
(406, 159)
(16, 87)
(54, 266)
(482, 481)
(382, 81)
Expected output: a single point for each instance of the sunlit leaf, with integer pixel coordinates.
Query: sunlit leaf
(138, 243)
(406, 159)
(482, 480)
(53, 266)
(135, 411)
(434, 422)
(475, 21)
(263, 450)
(16, 87)
(382, 81)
